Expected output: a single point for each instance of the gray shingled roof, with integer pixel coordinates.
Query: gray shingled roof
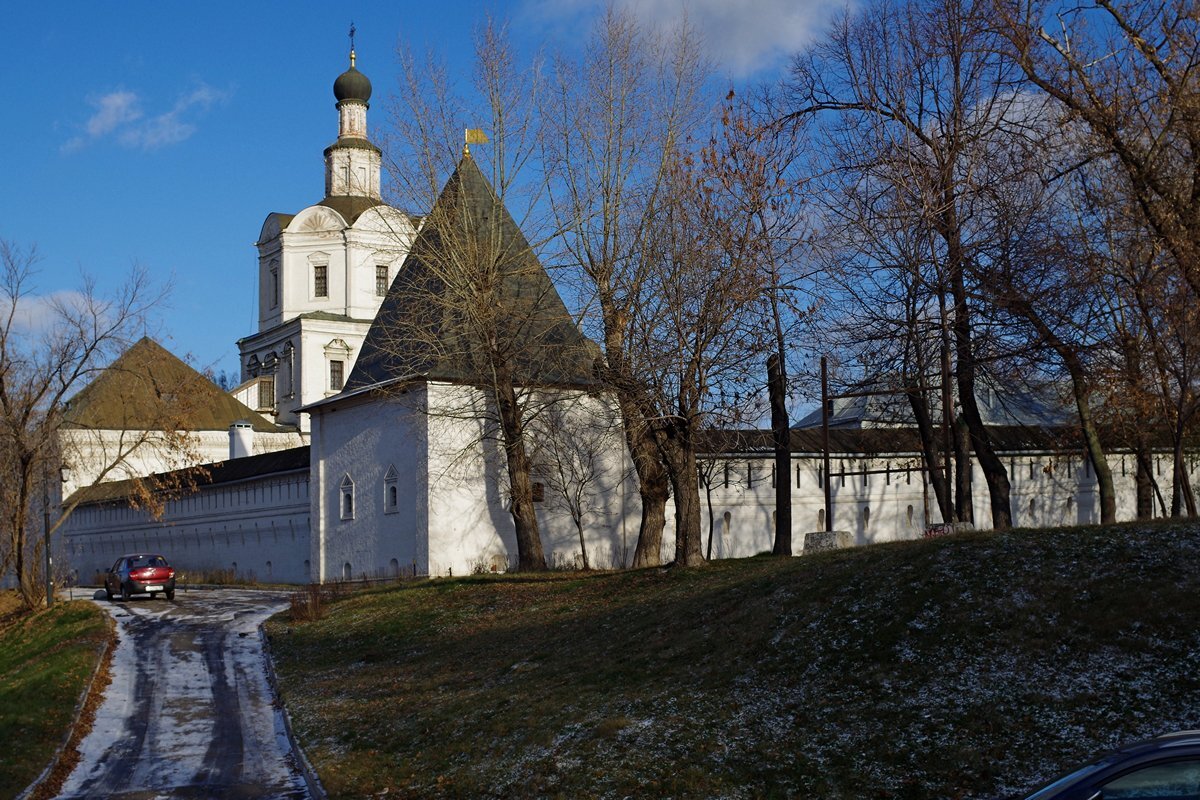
(430, 323)
(148, 388)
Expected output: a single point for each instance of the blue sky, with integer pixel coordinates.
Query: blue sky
(163, 133)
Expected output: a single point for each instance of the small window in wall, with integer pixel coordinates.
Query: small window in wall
(539, 492)
(266, 393)
(821, 520)
(347, 498)
(320, 280)
(337, 375)
(726, 474)
(866, 516)
(908, 513)
(274, 286)
(726, 519)
(347, 572)
(381, 280)
(391, 491)
(288, 360)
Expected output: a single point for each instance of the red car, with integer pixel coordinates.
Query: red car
(140, 573)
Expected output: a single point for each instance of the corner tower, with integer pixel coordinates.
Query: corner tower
(323, 272)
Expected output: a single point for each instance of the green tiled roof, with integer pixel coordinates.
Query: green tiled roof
(430, 323)
(149, 388)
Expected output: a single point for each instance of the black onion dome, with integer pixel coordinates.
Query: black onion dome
(352, 85)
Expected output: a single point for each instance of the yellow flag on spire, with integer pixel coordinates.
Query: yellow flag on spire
(475, 136)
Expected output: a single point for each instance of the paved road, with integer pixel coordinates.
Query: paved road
(189, 711)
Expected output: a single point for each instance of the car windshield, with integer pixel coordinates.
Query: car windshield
(1069, 779)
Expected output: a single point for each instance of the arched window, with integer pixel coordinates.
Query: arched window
(909, 514)
(821, 520)
(347, 497)
(725, 520)
(346, 571)
(391, 491)
(866, 516)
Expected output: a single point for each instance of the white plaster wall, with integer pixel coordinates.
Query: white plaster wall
(106, 455)
(362, 440)
(259, 528)
(1061, 486)
(381, 235)
(470, 525)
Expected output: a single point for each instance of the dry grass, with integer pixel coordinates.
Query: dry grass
(46, 662)
(967, 666)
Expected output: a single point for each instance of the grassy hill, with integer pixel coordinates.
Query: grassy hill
(971, 666)
(46, 662)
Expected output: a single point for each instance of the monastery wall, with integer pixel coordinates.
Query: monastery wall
(256, 528)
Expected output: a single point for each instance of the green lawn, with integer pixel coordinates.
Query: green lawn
(46, 661)
(971, 666)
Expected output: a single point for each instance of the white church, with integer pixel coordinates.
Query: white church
(336, 459)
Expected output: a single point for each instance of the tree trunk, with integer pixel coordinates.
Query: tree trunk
(1143, 479)
(1091, 439)
(964, 373)
(933, 464)
(1079, 387)
(653, 489)
(711, 519)
(677, 446)
(582, 542)
(530, 556)
(964, 497)
(781, 434)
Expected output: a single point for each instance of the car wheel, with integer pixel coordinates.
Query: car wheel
(125, 592)
(170, 594)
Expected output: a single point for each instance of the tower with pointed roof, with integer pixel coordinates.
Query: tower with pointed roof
(323, 272)
(410, 455)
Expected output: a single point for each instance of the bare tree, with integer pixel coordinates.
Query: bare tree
(613, 120)
(1127, 71)
(50, 347)
(696, 338)
(575, 442)
(917, 92)
(472, 304)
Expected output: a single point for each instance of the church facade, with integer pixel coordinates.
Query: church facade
(397, 469)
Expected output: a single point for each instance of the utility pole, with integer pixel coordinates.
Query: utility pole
(46, 536)
(825, 445)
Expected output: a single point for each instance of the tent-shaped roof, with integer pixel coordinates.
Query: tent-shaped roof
(149, 388)
(470, 278)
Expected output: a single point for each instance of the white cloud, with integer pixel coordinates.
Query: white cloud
(40, 314)
(741, 36)
(112, 111)
(119, 116)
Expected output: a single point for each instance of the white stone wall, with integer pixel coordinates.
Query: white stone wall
(470, 525)
(363, 441)
(875, 507)
(257, 528)
(111, 455)
(454, 516)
